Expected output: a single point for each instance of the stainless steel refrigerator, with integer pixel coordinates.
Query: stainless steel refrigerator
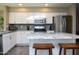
(63, 23)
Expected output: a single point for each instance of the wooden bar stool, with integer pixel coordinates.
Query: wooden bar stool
(43, 46)
(68, 46)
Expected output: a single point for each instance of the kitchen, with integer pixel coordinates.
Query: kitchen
(25, 23)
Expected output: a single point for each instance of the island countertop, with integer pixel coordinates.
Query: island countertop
(45, 35)
(53, 38)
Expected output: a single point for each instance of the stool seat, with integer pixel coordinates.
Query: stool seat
(68, 46)
(48, 46)
(43, 46)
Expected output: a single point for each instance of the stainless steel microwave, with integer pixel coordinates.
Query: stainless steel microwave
(40, 21)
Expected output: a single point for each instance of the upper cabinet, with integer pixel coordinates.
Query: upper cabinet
(28, 18)
(20, 18)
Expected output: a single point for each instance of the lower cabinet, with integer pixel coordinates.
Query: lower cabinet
(21, 38)
(9, 41)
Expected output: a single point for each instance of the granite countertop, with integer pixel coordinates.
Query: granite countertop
(51, 36)
(4, 32)
(46, 35)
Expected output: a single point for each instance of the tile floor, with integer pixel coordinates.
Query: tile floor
(19, 50)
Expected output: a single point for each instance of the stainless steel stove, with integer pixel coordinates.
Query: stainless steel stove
(39, 25)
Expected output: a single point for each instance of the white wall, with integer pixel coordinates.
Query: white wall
(6, 16)
(1, 13)
(72, 11)
(4, 13)
(38, 9)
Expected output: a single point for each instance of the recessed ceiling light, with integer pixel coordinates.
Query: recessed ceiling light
(46, 5)
(20, 4)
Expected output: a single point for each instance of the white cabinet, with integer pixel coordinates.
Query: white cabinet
(49, 20)
(22, 37)
(25, 18)
(18, 37)
(19, 18)
(9, 41)
(6, 40)
(13, 39)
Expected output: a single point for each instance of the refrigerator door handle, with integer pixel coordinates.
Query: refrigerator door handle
(64, 24)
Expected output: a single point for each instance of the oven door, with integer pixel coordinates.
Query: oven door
(39, 28)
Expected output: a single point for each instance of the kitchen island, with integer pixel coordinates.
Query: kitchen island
(54, 38)
(24, 38)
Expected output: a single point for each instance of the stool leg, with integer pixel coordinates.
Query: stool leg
(35, 51)
(50, 51)
(64, 51)
(60, 51)
(73, 51)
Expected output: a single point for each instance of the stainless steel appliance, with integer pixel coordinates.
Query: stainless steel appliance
(39, 25)
(63, 23)
(40, 21)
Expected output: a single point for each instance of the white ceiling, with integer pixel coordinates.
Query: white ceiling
(36, 4)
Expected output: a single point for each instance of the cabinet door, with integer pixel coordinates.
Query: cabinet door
(27, 40)
(12, 40)
(22, 37)
(11, 18)
(6, 43)
(26, 35)
(19, 37)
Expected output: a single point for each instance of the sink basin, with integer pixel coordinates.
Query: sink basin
(50, 32)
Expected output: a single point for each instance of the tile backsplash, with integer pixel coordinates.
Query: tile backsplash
(28, 27)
